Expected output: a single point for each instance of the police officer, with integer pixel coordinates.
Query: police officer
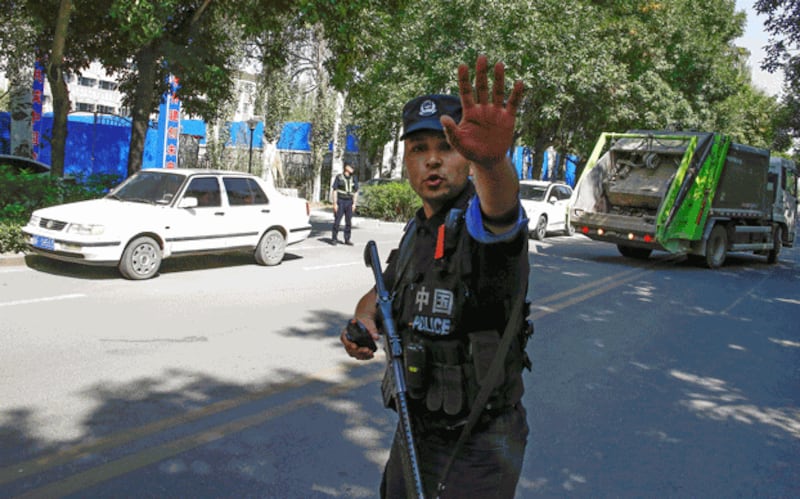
(460, 271)
(345, 197)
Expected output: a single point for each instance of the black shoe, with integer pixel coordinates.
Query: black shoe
(348, 243)
(334, 242)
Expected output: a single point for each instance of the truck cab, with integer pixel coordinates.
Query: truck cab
(782, 182)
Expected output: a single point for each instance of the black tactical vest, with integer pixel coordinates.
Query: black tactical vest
(449, 338)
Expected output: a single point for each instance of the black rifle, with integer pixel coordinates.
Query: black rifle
(394, 355)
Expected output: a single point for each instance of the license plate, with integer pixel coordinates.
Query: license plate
(44, 243)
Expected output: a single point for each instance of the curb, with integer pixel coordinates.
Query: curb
(12, 259)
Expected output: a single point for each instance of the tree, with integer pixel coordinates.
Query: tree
(189, 39)
(17, 41)
(54, 69)
(783, 52)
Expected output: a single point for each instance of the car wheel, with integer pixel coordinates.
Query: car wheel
(774, 253)
(541, 228)
(271, 248)
(141, 259)
(717, 247)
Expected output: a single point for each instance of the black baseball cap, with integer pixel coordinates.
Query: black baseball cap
(423, 113)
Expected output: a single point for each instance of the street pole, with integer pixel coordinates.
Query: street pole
(252, 123)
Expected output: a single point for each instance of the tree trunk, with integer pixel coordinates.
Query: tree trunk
(272, 166)
(20, 78)
(58, 86)
(539, 145)
(144, 97)
(337, 154)
(55, 76)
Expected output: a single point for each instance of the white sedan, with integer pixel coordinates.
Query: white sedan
(546, 204)
(158, 213)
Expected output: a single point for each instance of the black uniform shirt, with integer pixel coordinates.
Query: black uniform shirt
(496, 266)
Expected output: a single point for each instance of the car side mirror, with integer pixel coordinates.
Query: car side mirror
(552, 200)
(188, 202)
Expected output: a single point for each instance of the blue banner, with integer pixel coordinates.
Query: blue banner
(36, 110)
(172, 137)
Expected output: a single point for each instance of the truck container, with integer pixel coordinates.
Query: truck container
(693, 193)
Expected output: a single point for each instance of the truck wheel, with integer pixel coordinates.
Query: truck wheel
(717, 247)
(271, 248)
(631, 252)
(541, 228)
(141, 259)
(774, 253)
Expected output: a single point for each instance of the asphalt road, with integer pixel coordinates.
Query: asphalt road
(221, 378)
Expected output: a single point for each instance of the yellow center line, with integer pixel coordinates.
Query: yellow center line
(589, 285)
(598, 290)
(107, 471)
(40, 464)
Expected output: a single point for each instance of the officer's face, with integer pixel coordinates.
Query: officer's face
(436, 171)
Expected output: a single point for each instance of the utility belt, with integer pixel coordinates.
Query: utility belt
(450, 428)
(444, 376)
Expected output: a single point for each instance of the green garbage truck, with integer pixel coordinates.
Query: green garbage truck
(693, 193)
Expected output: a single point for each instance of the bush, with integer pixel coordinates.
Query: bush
(23, 192)
(11, 240)
(395, 201)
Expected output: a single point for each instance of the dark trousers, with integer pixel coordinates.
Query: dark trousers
(344, 207)
(488, 465)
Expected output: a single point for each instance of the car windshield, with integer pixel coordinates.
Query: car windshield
(532, 192)
(149, 187)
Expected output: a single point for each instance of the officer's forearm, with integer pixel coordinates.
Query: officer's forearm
(498, 189)
(367, 309)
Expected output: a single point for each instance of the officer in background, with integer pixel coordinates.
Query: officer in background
(460, 271)
(344, 197)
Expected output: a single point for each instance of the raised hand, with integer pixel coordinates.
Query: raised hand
(486, 130)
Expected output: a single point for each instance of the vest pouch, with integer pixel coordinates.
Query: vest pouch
(483, 347)
(416, 369)
(446, 387)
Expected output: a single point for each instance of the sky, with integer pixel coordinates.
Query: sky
(754, 40)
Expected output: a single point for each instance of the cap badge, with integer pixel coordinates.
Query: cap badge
(427, 108)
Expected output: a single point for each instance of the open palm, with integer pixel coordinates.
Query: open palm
(486, 130)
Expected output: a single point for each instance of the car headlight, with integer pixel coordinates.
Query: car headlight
(34, 221)
(86, 229)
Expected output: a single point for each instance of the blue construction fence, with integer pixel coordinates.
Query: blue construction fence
(99, 144)
(522, 158)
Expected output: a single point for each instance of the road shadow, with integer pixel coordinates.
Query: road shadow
(675, 383)
(168, 266)
(674, 400)
(305, 438)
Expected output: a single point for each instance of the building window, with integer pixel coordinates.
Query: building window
(84, 107)
(87, 82)
(105, 109)
(108, 85)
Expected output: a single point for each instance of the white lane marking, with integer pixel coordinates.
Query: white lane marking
(14, 269)
(39, 300)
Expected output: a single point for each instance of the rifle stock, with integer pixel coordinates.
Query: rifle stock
(394, 355)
